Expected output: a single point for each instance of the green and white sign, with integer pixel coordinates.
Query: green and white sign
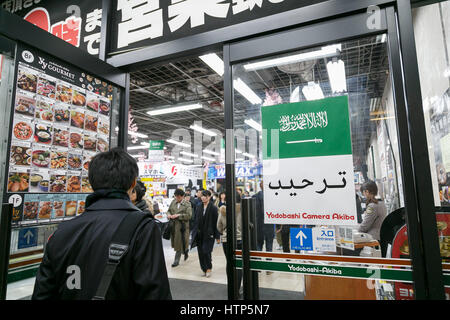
(308, 163)
(156, 151)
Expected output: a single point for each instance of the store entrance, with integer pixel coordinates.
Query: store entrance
(319, 111)
(176, 111)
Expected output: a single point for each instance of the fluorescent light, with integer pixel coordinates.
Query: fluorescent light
(136, 134)
(208, 158)
(186, 160)
(214, 62)
(336, 73)
(203, 130)
(170, 157)
(246, 92)
(145, 144)
(295, 95)
(248, 155)
(237, 151)
(312, 91)
(328, 51)
(240, 159)
(182, 144)
(137, 147)
(189, 154)
(211, 152)
(175, 109)
(137, 155)
(252, 123)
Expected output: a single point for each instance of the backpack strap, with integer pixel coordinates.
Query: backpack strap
(118, 248)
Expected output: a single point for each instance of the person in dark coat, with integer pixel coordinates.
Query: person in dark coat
(137, 197)
(264, 232)
(205, 231)
(76, 254)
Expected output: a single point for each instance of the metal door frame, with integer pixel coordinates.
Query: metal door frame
(396, 21)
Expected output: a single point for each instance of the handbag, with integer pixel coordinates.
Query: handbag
(168, 230)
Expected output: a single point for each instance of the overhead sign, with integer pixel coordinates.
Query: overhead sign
(308, 163)
(76, 22)
(313, 239)
(242, 170)
(139, 23)
(156, 151)
(28, 237)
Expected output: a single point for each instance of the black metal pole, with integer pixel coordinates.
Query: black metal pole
(5, 241)
(233, 292)
(123, 114)
(425, 213)
(253, 247)
(246, 243)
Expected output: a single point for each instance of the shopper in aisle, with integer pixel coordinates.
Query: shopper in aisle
(220, 201)
(179, 214)
(264, 232)
(205, 231)
(137, 198)
(77, 252)
(222, 228)
(375, 212)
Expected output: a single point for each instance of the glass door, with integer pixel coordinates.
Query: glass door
(319, 141)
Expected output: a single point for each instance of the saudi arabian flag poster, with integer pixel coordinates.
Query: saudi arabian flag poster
(308, 163)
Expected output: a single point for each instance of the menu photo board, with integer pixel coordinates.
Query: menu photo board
(60, 120)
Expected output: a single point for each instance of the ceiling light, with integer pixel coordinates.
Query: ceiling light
(185, 160)
(189, 154)
(137, 147)
(214, 62)
(248, 155)
(336, 73)
(203, 130)
(175, 109)
(313, 91)
(170, 157)
(246, 92)
(237, 151)
(136, 134)
(211, 152)
(145, 144)
(328, 51)
(208, 158)
(295, 95)
(240, 159)
(252, 123)
(182, 144)
(137, 155)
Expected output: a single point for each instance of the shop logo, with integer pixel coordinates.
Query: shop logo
(174, 170)
(43, 63)
(27, 56)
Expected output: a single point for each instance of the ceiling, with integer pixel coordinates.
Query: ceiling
(190, 81)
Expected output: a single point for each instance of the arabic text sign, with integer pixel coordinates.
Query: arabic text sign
(308, 171)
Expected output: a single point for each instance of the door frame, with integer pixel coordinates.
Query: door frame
(396, 21)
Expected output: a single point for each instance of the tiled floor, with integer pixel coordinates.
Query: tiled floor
(190, 270)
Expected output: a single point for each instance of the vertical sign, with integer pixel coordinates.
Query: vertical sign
(308, 163)
(156, 151)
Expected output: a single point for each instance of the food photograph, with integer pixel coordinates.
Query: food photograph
(74, 184)
(91, 122)
(23, 130)
(39, 181)
(104, 107)
(77, 119)
(18, 182)
(85, 185)
(30, 210)
(78, 98)
(102, 145)
(46, 88)
(58, 183)
(58, 209)
(62, 114)
(63, 93)
(25, 105)
(90, 142)
(45, 210)
(43, 133)
(58, 160)
(27, 80)
(20, 156)
(76, 140)
(44, 111)
(60, 137)
(71, 208)
(40, 158)
(103, 125)
(74, 161)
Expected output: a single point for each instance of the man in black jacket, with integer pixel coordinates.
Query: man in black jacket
(76, 254)
(205, 231)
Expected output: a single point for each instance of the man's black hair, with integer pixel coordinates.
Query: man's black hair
(140, 190)
(114, 169)
(179, 192)
(206, 193)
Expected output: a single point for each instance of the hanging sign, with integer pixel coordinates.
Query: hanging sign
(156, 151)
(308, 164)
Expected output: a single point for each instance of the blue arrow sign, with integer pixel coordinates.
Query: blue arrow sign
(301, 239)
(28, 237)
